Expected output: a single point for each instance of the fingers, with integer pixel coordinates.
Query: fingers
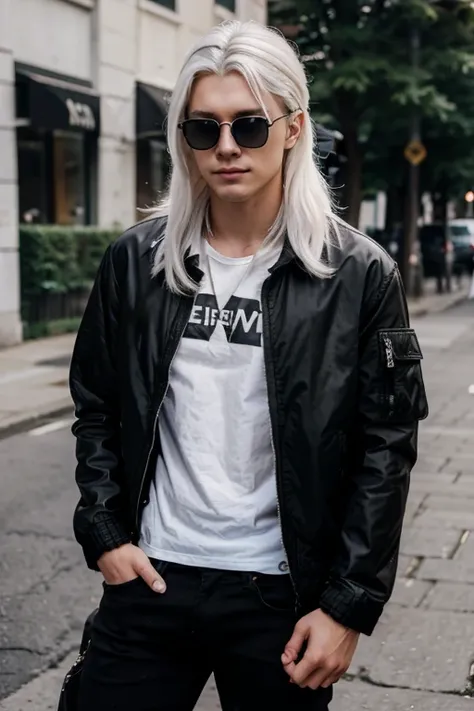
(332, 679)
(146, 571)
(307, 668)
(316, 673)
(315, 680)
(293, 647)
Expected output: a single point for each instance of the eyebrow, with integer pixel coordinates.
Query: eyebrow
(258, 111)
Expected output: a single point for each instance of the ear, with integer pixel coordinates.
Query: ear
(295, 126)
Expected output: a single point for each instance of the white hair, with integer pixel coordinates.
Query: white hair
(269, 64)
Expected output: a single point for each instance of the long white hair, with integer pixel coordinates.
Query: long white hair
(268, 63)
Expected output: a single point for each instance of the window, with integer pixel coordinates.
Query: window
(55, 169)
(33, 199)
(69, 178)
(170, 4)
(228, 4)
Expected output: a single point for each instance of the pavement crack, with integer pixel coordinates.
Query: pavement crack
(364, 677)
(461, 541)
(421, 507)
(21, 649)
(431, 586)
(414, 565)
(46, 582)
(37, 534)
(445, 463)
(469, 688)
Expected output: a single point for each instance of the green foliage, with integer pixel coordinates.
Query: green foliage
(359, 59)
(60, 259)
(57, 262)
(57, 327)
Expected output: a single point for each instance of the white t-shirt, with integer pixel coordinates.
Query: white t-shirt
(213, 502)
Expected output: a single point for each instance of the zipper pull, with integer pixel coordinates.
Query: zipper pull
(389, 352)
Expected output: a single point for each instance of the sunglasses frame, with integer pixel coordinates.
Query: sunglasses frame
(268, 123)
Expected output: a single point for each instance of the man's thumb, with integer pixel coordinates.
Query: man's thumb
(151, 577)
(159, 585)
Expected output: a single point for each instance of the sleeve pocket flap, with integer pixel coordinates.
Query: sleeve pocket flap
(399, 345)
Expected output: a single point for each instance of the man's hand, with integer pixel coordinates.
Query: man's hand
(329, 651)
(127, 563)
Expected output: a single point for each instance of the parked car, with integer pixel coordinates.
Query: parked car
(461, 234)
(436, 250)
(444, 253)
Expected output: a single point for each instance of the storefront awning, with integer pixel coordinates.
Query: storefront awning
(56, 104)
(326, 140)
(152, 109)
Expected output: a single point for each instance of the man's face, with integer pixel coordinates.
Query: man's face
(225, 98)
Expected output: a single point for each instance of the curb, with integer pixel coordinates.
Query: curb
(38, 418)
(419, 311)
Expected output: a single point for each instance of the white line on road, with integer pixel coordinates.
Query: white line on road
(50, 427)
(13, 377)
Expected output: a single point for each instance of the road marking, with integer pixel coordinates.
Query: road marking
(50, 427)
(24, 374)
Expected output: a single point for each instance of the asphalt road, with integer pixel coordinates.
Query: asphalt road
(46, 591)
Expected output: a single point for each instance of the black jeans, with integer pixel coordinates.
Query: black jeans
(152, 652)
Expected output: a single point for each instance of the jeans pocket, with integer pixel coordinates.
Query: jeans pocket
(160, 566)
(127, 585)
(274, 591)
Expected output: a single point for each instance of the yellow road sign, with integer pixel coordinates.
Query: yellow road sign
(415, 152)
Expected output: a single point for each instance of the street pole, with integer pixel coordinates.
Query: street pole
(410, 271)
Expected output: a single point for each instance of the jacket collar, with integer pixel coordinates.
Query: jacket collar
(191, 258)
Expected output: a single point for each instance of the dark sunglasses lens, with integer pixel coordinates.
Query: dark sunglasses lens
(201, 134)
(251, 132)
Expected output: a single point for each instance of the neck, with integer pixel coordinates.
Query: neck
(238, 229)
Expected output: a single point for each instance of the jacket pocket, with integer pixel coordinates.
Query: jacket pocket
(404, 396)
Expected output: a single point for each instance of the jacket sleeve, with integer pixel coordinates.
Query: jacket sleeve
(99, 524)
(391, 401)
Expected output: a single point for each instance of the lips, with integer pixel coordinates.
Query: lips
(231, 174)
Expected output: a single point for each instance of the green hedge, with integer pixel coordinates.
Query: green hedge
(57, 327)
(60, 259)
(57, 262)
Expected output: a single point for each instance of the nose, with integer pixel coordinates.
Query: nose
(226, 145)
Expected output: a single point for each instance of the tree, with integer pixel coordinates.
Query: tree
(447, 132)
(357, 53)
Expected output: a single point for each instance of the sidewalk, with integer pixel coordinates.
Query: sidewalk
(34, 381)
(34, 375)
(432, 303)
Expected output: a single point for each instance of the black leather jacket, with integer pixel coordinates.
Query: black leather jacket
(345, 392)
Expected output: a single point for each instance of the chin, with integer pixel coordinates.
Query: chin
(234, 193)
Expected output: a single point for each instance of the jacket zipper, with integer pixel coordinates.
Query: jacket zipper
(390, 361)
(275, 461)
(389, 352)
(157, 415)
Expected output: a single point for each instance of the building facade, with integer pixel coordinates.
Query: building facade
(83, 89)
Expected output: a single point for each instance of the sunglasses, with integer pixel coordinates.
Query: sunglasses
(201, 134)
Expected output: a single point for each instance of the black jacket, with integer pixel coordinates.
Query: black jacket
(345, 392)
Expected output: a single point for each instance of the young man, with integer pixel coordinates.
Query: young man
(247, 392)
